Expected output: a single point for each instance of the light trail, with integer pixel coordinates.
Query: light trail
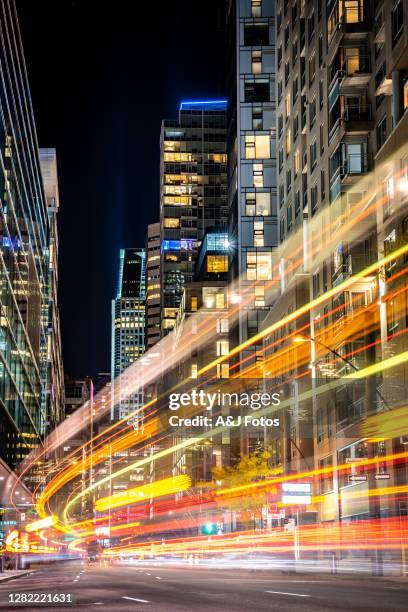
(157, 488)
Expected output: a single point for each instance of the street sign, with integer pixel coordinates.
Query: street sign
(358, 477)
(382, 476)
(297, 493)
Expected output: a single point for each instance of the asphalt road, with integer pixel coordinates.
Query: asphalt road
(163, 588)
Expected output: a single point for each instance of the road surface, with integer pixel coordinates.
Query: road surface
(168, 588)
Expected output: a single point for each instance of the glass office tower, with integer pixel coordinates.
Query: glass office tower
(193, 193)
(24, 257)
(54, 373)
(128, 326)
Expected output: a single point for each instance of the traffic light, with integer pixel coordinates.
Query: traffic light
(209, 529)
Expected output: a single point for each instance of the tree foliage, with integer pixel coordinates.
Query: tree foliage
(250, 468)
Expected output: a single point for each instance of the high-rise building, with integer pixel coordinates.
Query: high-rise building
(203, 313)
(152, 332)
(251, 154)
(342, 97)
(128, 326)
(25, 352)
(78, 391)
(193, 194)
(54, 382)
(252, 193)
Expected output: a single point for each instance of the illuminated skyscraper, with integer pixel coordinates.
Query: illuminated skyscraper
(128, 325)
(152, 285)
(252, 176)
(29, 350)
(193, 194)
(252, 154)
(53, 373)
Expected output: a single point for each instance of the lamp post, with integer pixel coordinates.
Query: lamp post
(377, 560)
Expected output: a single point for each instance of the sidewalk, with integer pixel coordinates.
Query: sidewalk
(11, 574)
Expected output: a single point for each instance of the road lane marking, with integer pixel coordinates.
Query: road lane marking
(147, 574)
(136, 599)
(283, 593)
(158, 577)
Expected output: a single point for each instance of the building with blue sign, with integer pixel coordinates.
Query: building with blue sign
(193, 194)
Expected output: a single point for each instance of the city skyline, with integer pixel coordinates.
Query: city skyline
(250, 438)
(111, 120)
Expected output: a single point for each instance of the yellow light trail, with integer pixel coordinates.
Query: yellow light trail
(128, 468)
(307, 307)
(192, 441)
(308, 474)
(48, 521)
(373, 267)
(386, 364)
(137, 494)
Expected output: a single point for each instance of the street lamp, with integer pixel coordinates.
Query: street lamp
(303, 338)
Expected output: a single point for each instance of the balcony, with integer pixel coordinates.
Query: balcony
(354, 166)
(351, 264)
(355, 71)
(347, 17)
(342, 272)
(357, 119)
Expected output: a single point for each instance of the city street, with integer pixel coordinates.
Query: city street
(156, 588)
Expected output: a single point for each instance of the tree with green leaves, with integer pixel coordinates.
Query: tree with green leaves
(249, 469)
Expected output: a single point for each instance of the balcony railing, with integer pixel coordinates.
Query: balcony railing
(357, 113)
(345, 12)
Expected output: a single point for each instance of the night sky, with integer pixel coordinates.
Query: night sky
(103, 75)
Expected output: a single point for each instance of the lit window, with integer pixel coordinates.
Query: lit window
(213, 297)
(257, 171)
(194, 304)
(257, 147)
(194, 370)
(263, 204)
(217, 263)
(171, 222)
(220, 300)
(297, 161)
(222, 326)
(259, 266)
(250, 204)
(222, 348)
(406, 95)
(259, 296)
(256, 8)
(258, 204)
(177, 200)
(288, 141)
(256, 62)
(177, 157)
(222, 370)
(258, 233)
